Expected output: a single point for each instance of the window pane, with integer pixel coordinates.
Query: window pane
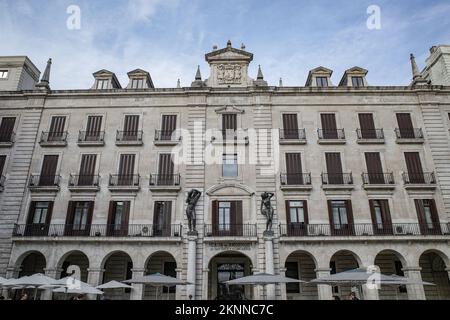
(230, 167)
(3, 74)
(293, 212)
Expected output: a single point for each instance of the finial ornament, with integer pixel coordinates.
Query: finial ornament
(198, 75)
(242, 46)
(178, 84)
(229, 44)
(45, 80)
(260, 75)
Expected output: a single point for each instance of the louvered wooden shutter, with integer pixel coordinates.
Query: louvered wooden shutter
(167, 218)
(169, 125)
(288, 211)
(367, 126)
(405, 125)
(165, 170)
(126, 169)
(334, 168)
(48, 218)
(87, 169)
(111, 213)
(290, 126)
(69, 218)
(7, 128)
(305, 212)
(125, 218)
(330, 214)
(214, 213)
(57, 128)
(421, 215)
(238, 218)
(350, 219)
(31, 212)
(294, 169)
(374, 168)
(2, 163)
(48, 171)
(229, 122)
(94, 126)
(131, 127)
(329, 125)
(414, 167)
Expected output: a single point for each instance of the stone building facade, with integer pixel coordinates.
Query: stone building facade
(96, 180)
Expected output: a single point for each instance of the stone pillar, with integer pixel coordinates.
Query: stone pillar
(191, 265)
(11, 273)
(137, 293)
(52, 273)
(94, 279)
(324, 291)
(283, 285)
(178, 291)
(205, 285)
(270, 268)
(415, 291)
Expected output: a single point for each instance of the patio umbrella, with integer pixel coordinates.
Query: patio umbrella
(157, 280)
(114, 285)
(34, 281)
(70, 285)
(263, 279)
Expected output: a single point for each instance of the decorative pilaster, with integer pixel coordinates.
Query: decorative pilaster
(324, 291)
(270, 268)
(178, 291)
(283, 285)
(94, 278)
(192, 249)
(415, 291)
(138, 289)
(52, 273)
(205, 284)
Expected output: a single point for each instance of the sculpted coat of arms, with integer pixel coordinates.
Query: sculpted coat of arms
(229, 74)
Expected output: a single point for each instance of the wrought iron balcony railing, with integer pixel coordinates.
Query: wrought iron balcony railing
(44, 181)
(54, 137)
(166, 136)
(289, 134)
(97, 230)
(378, 178)
(91, 136)
(337, 178)
(124, 180)
(129, 136)
(367, 229)
(334, 134)
(295, 179)
(369, 134)
(230, 230)
(84, 180)
(411, 133)
(427, 178)
(165, 179)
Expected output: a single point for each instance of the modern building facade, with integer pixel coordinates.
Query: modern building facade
(95, 181)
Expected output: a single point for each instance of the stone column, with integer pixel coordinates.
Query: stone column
(205, 285)
(192, 250)
(94, 278)
(178, 290)
(11, 273)
(137, 293)
(283, 285)
(54, 273)
(415, 291)
(324, 291)
(270, 268)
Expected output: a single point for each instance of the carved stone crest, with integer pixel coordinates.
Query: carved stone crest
(229, 74)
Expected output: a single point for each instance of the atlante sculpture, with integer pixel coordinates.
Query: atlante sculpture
(192, 199)
(267, 209)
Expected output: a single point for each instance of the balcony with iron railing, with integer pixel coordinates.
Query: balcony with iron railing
(289, 136)
(165, 137)
(129, 138)
(7, 139)
(165, 182)
(91, 138)
(331, 136)
(295, 181)
(422, 180)
(99, 231)
(2, 183)
(230, 136)
(81, 183)
(230, 230)
(378, 180)
(124, 182)
(337, 181)
(370, 136)
(44, 183)
(408, 136)
(53, 139)
(364, 230)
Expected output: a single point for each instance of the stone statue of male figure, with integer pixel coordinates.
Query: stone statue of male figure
(192, 199)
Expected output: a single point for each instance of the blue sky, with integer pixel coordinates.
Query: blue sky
(170, 37)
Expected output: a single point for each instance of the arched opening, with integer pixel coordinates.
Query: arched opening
(343, 261)
(164, 263)
(301, 265)
(77, 259)
(32, 263)
(433, 270)
(118, 266)
(228, 266)
(391, 262)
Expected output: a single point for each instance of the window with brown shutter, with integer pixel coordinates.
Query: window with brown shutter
(48, 171)
(341, 217)
(162, 219)
(374, 168)
(381, 216)
(229, 126)
(118, 218)
(329, 127)
(405, 125)
(294, 172)
(227, 218)
(93, 128)
(428, 216)
(79, 218)
(126, 169)
(168, 126)
(297, 217)
(334, 168)
(367, 126)
(87, 169)
(39, 218)
(7, 129)
(165, 170)
(414, 167)
(290, 126)
(57, 126)
(131, 128)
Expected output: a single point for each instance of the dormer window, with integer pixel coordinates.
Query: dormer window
(3, 74)
(102, 84)
(357, 82)
(137, 83)
(140, 79)
(322, 82)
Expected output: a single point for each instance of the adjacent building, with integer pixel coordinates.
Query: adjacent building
(95, 181)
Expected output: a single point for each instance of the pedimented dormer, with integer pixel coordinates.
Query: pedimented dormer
(105, 80)
(229, 67)
(140, 79)
(319, 77)
(354, 77)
